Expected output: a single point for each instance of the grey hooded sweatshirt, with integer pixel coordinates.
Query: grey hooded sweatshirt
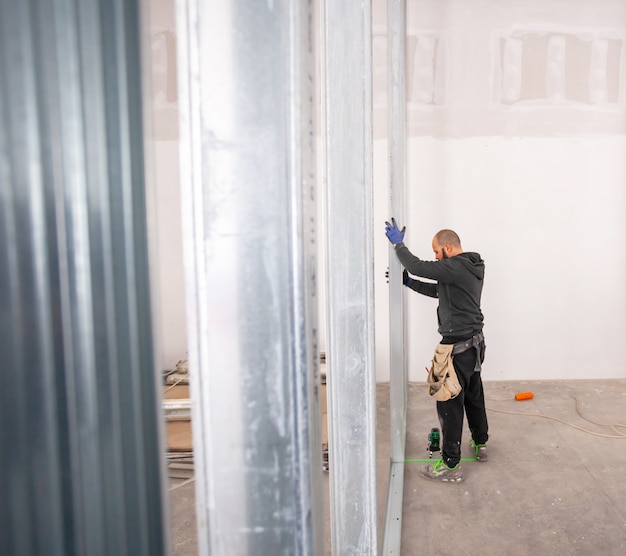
(459, 285)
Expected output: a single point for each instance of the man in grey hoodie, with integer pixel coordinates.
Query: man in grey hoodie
(458, 283)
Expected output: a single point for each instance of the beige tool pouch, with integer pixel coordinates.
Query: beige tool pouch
(443, 383)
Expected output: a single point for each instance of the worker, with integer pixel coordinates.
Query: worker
(458, 285)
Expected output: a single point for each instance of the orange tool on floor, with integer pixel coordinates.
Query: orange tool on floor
(524, 396)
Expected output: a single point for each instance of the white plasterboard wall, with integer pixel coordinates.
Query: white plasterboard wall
(170, 281)
(534, 182)
(538, 188)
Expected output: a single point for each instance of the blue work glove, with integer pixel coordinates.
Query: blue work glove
(406, 279)
(393, 233)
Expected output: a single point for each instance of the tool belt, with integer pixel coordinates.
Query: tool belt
(478, 343)
(443, 384)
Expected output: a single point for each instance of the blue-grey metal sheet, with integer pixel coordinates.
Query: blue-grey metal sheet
(82, 460)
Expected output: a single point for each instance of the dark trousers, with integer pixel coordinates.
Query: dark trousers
(472, 401)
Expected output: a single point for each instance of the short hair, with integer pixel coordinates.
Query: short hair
(448, 236)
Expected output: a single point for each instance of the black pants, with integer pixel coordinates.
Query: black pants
(472, 401)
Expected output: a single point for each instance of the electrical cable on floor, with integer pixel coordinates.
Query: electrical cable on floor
(618, 435)
(613, 425)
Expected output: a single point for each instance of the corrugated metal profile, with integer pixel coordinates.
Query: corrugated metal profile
(81, 462)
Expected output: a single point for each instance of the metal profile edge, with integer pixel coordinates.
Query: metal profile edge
(396, 94)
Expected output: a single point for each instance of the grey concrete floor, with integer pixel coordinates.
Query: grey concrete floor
(548, 487)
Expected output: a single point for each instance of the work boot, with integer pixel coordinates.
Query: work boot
(439, 471)
(481, 451)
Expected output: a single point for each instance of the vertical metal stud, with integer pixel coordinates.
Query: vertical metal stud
(396, 37)
(351, 379)
(82, 461)
(246, 81)
(396, 93)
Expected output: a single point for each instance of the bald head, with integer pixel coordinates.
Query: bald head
(448, 236)
(446, 244)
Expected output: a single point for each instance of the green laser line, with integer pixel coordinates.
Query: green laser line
(433, 460)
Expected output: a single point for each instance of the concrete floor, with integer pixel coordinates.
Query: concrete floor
(548, 488)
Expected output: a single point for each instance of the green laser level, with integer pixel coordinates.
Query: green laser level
(433, 441)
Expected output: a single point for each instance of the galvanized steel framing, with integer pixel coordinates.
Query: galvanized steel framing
(248, 180)
(77, 319)
(396, 95)
(82, 465)
(351, 379)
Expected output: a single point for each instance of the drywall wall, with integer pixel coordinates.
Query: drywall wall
(168, 280)
(517, 136)
(171, 279)
(548, 215)
(508, 67)
(516, 140)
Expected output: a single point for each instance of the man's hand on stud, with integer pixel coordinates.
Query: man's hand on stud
(394, 234)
